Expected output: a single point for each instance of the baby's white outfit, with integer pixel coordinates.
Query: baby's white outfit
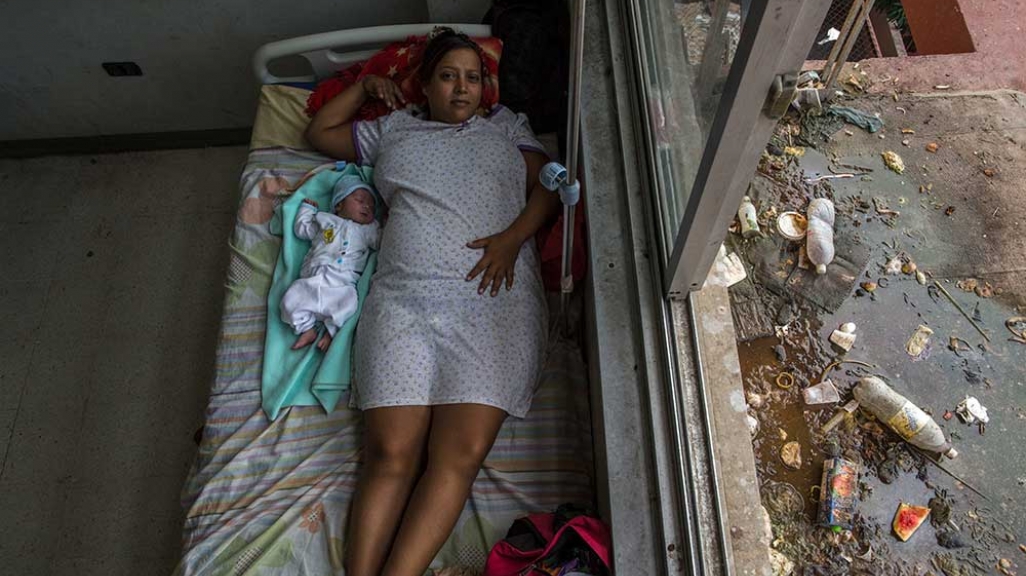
(326, 288)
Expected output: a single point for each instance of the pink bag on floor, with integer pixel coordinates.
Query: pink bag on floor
(564, 542)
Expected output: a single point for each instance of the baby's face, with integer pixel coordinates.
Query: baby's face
(358, 207)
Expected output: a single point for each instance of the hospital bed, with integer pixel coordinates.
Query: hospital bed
(272, 497)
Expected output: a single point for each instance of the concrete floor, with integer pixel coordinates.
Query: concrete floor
(967, 225)
(110, 297)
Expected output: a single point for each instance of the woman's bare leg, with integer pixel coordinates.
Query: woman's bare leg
(393, 450)
(461, 436)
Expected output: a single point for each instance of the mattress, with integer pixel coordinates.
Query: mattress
(272, 497)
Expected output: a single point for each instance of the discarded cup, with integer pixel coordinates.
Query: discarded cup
(823, 393)
(918, 345)
(844, 336)
(792, 225)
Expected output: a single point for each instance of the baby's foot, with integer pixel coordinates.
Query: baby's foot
(325, 342)
(305, 339)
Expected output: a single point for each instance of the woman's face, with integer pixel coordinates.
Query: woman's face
(454, 92)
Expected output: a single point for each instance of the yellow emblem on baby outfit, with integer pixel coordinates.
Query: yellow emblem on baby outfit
(329, 235)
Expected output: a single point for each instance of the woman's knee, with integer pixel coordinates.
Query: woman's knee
(395, 446)
(463, 458)
(463, 448)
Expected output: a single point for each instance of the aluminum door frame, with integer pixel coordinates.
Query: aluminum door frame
(778, 46)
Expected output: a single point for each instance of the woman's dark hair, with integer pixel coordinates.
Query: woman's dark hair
(441, 41)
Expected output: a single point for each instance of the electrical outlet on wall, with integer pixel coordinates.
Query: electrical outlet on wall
(122, 69)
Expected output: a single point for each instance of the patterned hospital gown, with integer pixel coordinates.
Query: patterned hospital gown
(425, 335)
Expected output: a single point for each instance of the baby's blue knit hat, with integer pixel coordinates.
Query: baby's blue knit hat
(346, 185)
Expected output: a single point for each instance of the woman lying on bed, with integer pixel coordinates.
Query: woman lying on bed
(453, 331)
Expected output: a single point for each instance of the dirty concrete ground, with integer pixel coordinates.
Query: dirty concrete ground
(961, 215)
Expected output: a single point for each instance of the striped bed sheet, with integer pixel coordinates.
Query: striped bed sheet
(272, 497)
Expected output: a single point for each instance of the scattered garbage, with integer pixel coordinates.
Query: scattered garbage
(749, 221)
(839, 416)
(1017, 326)
(792, 225)
(796, 151)
(823, 393)
(820, 242)
(869, 286)
(932, 147)
(967, 284)
(951, 539)
(844, 337)
(918, 345)
(727, 269)
(818, 179)
(908, 519)
(753, 425)
(780, 564)
(755, 401)
(909, 268)
(791, 455)
(785, 380)
(894, 162)
(901, 415)
(838, 493)
(780, 353)
(893, 266)
(970, 410)
(831, 36)
(868, 122)
(921, 277)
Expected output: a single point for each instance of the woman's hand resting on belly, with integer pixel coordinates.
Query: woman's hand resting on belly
(498, 261)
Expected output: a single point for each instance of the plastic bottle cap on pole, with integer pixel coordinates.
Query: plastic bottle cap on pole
(552, 176)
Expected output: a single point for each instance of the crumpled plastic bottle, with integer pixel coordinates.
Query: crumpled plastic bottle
(902, 416)
(819, 244)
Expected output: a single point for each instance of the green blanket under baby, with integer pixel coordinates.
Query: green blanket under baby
(307, 377)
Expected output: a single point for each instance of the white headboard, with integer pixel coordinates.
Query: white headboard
(330, 51)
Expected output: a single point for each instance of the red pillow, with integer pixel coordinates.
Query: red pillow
(399, 61)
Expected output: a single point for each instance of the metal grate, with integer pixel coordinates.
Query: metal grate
(696, 17)
(864, 46)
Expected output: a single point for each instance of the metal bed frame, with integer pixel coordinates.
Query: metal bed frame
(328, 52)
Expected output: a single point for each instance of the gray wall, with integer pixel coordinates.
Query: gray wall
(195, 57)
(457, 11)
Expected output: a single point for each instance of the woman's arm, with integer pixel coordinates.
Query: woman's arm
(331, 129)
(542, 205)
(501, 250)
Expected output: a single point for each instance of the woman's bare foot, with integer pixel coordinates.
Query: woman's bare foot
(305, 339)
(325, 342)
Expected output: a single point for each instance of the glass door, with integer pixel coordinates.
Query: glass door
(714, 76)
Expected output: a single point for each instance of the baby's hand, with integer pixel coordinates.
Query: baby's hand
(310, 202)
